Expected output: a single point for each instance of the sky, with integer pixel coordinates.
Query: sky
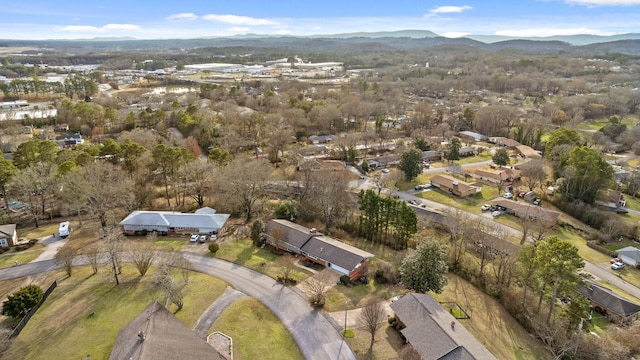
(180, 19)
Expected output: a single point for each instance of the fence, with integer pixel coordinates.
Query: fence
(16, 331)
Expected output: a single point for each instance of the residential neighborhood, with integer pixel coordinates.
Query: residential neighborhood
(356, 197)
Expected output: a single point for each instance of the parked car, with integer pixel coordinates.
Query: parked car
(203, 238)
(193, 238)
(213, 237)
(521, 194)
(496, 213)
(507, 195)
(413, 202)
(537, 202)
(419, 187)
(617, 266)
(485, 207)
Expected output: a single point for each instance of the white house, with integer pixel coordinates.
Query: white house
(8, 235)
(203, 221)
(629, 255)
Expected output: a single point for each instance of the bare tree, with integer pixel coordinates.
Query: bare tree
(65, 257)
(113, 247)
(247, 182)
(287, 265)
(91, 254)
(142, 254)
(173, 276)
(371, 317)
(317, 285)
(533, 173)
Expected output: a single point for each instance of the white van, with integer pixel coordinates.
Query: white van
(64, 229)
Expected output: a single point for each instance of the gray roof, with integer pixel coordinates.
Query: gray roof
(290, 232)
(317, 244)
(175, 219)
(205, 210)
(335, 252)
(474, 135)
(165, 337)
(630, 251)
(609, 300)
(428, 330)
(7, 230)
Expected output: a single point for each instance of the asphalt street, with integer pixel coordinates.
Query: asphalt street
(316, 337)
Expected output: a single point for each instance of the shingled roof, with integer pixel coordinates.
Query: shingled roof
(612, 302)
(157, 334)
(428, 329)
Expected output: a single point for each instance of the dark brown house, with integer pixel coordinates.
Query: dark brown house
(616, 308)
(317, 247)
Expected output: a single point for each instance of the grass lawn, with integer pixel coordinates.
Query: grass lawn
(41, 231)
(10, 257)
(598, 323)
(163, 241)
(597, 125)
(633, 203)
(387, 344)
(243, 252)
(634, 163)
(357, 296)
(470, 203)
(490, 323)
(257, 333)
(72, 332)
(580, 242)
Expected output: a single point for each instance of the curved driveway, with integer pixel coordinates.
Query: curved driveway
(315, 336)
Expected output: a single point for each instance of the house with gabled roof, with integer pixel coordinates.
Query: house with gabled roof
(454, 186)
(500, 175)
(157, 334)
(433, 332)
(629, 255)
(616, 308)
(523, 209)
(203, 221)
(8, 235)
(317, 247)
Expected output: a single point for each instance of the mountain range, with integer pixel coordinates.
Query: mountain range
(360, 41)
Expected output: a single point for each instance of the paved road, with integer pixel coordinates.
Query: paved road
(214, 311)
(315, 335)
(600, 271)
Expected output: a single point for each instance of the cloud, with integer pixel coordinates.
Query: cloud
(94, 29)
(121, 27)
(239, 29)
(239, 20)
(594, 3)
(544, 32)
(79, 28)
(455, 34)
(182, 17)
(449, 9)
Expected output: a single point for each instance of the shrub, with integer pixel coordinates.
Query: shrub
(345, 280)
(33, 242)
(349, 334)
(386, 273)
(213, 248)
(19, 248)
(21, 300)
(256, 233)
